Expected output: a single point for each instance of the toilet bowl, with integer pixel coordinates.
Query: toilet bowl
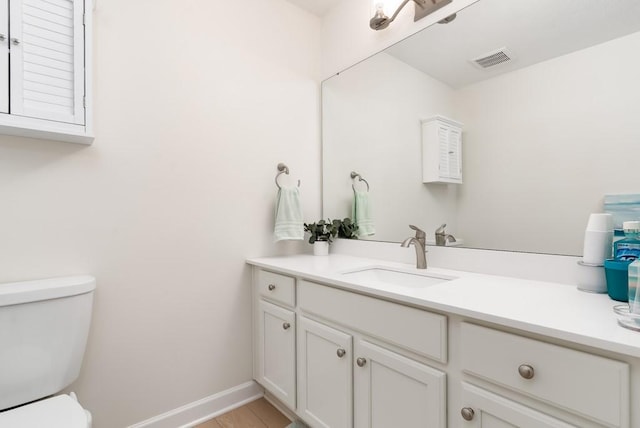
(61, 411)
(44, 326)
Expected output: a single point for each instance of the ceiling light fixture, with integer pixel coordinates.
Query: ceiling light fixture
(380, 21)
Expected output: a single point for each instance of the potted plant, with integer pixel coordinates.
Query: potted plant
(322, 233)
(347, 229)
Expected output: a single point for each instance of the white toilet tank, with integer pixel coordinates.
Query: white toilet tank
(44, 326)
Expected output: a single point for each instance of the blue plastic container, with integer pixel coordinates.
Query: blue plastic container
(617, 273)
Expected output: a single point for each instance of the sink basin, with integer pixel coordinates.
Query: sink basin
(395, 277)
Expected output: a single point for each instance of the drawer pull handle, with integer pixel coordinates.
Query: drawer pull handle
(467, 413)
(361, 362)
(341, 352)
(271, 287)
(526, 371)
(286, 326)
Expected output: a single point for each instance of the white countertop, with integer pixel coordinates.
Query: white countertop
(550, 309)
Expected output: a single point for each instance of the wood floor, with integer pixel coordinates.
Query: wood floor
(257, 414)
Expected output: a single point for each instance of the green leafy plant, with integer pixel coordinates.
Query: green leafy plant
(347, 229)
(321, 231)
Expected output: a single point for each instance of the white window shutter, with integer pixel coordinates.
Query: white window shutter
(47, 59)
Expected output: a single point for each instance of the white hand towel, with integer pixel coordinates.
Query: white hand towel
(289, 223)
(362, 213)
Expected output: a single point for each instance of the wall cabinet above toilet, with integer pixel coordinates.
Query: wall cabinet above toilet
(45, 58)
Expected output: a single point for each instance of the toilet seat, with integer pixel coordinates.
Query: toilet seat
(60, 411)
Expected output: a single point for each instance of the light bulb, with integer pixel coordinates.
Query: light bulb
(387, 6)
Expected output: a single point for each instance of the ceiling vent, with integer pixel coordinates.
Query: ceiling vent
(491, 59)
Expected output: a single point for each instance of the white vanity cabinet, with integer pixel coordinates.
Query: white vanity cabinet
(389, 389)
(346, 375)
(358, 360)
(275, 348)
(45, 59)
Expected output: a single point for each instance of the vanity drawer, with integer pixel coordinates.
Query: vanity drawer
(418, 331)
(277, 287)
(592, 386)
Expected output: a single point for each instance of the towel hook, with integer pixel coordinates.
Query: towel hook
(355, 175)
(283, 169)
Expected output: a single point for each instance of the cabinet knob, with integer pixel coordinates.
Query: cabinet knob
(467, 413)
(15, 41)
(361, 362)
(341, 352)
(2, 37)
(526, 371)
(271, 287)
(286, 326)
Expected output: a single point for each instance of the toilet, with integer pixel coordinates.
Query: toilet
(44, 326)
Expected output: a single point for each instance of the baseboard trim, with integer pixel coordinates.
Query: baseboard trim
(192, 414)
(281, 407)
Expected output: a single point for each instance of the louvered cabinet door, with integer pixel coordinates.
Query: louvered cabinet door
(47, 59)
(454, 153)
(4, 56)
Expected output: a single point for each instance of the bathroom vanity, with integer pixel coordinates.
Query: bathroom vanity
(344, 341)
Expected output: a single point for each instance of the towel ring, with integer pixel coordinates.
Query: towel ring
(355, 175)
(283, 169)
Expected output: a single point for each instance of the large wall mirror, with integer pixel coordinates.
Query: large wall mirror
(546, 133)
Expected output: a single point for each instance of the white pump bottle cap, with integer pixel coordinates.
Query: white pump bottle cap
(631, 225)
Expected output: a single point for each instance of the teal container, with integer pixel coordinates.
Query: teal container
(617, 273)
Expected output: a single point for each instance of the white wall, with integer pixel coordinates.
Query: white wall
(371, 124)
(542, 145)
(196, 103)
(347, 38)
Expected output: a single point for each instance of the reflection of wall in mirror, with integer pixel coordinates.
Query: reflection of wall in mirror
(371, 117)
(544, 144)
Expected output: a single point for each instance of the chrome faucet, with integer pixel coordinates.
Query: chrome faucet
(419, 243)
(442, 237)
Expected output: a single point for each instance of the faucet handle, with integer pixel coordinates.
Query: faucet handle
(419, 232)
(440, 230)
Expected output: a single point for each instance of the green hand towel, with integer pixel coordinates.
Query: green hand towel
(289, 223)
(362, 213)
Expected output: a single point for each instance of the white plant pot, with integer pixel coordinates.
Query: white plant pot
(321, 248)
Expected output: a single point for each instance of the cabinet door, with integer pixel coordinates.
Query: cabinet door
(483, 409)
(47, 59)
(394, 391)
(4, 56)
(277, 352)
(454, 154)
(324, 381)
